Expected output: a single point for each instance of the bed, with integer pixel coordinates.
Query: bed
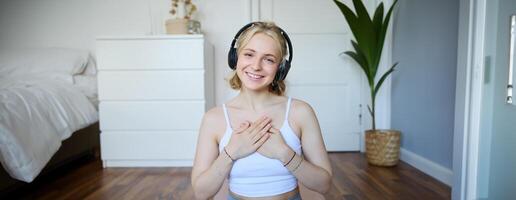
(47, 103)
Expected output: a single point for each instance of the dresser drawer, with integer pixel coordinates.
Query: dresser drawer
(151, 115)
(148, 145)
(151, 85)
(150, 54)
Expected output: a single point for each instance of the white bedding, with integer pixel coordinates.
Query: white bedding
(37, 112)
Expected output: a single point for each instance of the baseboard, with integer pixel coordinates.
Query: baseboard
(429, 167)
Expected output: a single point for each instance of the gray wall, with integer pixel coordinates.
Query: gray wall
(423, 86)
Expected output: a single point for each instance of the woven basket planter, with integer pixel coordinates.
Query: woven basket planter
(383, 147)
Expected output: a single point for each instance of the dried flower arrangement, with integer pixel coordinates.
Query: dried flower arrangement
(189, 7)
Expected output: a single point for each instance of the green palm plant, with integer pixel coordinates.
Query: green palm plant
(370, 36)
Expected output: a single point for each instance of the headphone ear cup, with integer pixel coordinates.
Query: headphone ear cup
(232, 58)
(283, 69)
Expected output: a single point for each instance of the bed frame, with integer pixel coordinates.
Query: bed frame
(81, 144)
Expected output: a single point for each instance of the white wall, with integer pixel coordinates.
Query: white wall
(76, 24)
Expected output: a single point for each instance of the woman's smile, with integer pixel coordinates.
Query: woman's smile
(253, 76)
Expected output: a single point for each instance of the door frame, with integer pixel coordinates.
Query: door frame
(470, 73)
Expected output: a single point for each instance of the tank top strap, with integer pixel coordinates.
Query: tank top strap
(226, 116)
(288, 107)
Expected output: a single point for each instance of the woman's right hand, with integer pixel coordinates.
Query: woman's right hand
(248, 138)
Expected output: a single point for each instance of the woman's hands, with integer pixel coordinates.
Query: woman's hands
(248, 138)
(258, 136)
(275, 147)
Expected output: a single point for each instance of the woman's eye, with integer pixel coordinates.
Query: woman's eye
(248, 54)
(270, 61)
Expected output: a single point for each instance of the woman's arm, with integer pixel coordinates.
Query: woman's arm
(314, 172)
(210, 168)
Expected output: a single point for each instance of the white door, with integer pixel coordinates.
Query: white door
(492, 161)
(330, 82)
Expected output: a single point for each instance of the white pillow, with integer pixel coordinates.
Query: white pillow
(43, 60)
(91, 67)
(87, 84)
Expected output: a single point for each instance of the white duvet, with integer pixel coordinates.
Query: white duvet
(36, 114)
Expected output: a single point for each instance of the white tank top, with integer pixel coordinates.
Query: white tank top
(257, 175)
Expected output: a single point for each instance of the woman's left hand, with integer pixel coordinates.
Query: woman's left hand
(275, 147)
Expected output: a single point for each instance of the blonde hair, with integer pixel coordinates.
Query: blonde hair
(277, 87)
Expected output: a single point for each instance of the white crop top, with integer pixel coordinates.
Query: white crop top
(257, 175)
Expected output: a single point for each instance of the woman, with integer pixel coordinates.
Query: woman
(254, 140)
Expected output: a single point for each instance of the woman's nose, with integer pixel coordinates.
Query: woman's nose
(257, 64)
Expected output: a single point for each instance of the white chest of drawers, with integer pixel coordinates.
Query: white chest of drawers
(153, 92)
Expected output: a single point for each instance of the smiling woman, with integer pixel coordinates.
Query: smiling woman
(253, 142)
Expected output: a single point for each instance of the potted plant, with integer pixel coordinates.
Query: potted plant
(182, 12)
(382, 146)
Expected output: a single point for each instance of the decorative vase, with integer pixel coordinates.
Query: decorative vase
(177, 26)
(383, 147)
(194, 27)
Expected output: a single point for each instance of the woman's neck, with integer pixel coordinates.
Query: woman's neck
(255, 101)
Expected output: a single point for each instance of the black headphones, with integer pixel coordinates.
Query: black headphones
(284, 66)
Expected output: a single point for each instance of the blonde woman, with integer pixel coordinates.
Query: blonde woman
(262, 142)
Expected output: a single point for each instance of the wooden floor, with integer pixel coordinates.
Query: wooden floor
(353, 179)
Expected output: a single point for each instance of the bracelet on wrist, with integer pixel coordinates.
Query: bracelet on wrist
(294, 164)
(290, 159)
(300, 161)
(232, 160)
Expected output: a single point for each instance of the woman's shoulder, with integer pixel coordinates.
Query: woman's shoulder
(214, 114)
(301, 107)
(300, 115)
(214, 122)
(214, 118)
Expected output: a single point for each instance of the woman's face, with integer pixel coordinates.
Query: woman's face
(258, 62)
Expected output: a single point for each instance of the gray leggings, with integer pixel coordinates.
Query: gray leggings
(296, 197)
